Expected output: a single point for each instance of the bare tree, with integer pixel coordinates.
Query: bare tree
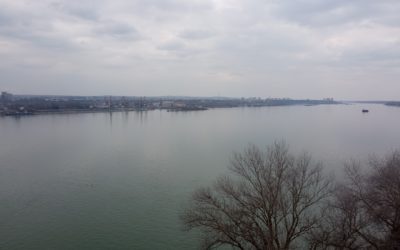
(365, 213)
(343, 219)
(272, 201)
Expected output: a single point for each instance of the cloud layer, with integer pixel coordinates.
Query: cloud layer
(297, 48)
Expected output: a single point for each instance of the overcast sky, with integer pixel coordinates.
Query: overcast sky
(268, 48)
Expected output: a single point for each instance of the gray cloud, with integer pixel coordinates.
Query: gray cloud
(172, 5)
(117, 30)
(5, 18)
(338, 12)
(297, 48)
(196, 34)
(172, 45)
(82, 9)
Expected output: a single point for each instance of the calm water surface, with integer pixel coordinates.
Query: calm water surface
(101, 181)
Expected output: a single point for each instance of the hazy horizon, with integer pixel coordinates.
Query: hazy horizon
(205, 97)
(303, 49)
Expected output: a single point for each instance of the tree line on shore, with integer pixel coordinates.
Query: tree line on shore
(273, 199)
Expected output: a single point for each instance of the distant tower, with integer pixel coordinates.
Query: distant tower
(6, 97)
(141, 104)
(124, 102)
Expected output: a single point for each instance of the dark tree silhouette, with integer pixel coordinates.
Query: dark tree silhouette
(272, 201)
(365, 213)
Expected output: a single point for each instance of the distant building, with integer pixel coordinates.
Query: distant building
(156, 104)
(179, 104)
(167, 104)
(6, 97)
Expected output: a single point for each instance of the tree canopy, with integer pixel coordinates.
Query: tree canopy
(273, 199)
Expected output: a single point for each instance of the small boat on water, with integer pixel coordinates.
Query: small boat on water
(365, 110)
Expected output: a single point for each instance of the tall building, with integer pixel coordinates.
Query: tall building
(6, 97)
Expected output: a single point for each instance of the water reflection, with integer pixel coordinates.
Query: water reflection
(142, 172)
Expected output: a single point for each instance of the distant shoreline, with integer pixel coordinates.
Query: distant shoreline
(18, 105)
(88, 111)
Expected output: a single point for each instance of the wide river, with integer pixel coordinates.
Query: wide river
(120, 181)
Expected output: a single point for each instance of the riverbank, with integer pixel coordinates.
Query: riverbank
(180, 109)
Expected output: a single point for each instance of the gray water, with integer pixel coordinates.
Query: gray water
(119, 181)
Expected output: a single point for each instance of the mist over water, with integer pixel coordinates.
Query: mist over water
(120, 180)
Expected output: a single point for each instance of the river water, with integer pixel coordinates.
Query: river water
(120, 180)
